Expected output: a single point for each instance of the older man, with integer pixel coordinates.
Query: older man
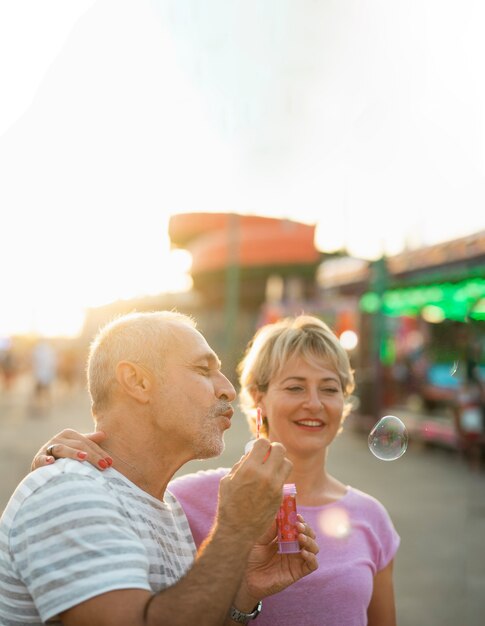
(114, 548)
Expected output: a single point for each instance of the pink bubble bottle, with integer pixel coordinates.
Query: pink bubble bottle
(286, 522)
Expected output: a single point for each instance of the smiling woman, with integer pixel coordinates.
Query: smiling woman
(299, 375)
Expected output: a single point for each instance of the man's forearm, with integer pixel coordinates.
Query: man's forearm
(205, 594)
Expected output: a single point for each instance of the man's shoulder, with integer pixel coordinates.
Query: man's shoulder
(62, 471)
(48, 482)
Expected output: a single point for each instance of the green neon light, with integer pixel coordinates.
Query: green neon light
(458, 301)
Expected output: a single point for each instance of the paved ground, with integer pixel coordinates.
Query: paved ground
(437, 504)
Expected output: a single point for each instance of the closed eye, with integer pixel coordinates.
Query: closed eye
(297, 389)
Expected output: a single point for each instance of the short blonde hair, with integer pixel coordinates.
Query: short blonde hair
(137, 337)
(271, 347)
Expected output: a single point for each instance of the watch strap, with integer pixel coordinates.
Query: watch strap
(243, 618)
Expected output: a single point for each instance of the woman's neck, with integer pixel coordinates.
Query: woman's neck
(315, 486)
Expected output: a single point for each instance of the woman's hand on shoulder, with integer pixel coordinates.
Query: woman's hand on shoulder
(70, 444)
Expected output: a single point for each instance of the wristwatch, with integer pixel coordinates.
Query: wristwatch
(243, 618)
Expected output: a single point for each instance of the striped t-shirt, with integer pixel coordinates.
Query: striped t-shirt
(70, 533)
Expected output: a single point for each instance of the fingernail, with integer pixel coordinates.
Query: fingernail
(102, 464)
(82, 455)
(109, 461)
(50, 459)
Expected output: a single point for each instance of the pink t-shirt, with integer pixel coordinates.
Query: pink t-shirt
(356, 538)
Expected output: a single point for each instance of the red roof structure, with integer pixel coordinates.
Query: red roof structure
(254, 247)
(216, 240)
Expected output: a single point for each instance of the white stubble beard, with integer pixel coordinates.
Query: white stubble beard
(211, 442)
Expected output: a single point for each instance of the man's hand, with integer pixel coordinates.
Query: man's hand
(249, 496)
(269, 572)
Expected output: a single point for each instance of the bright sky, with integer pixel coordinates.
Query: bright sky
(367, 118)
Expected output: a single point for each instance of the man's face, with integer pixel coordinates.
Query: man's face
(193, 396)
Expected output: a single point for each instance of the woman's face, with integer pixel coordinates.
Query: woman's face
(303, 405)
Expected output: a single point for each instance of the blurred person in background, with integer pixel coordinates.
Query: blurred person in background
(469, 402)
(298, 374)
(115, 548)
(70, 369)
(469, 413)
(8, 364)
(44, 371)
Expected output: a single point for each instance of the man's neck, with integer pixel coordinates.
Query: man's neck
(137, 456)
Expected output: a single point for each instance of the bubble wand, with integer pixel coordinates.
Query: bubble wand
(259, 421)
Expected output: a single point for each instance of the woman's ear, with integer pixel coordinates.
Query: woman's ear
(259, 402)
(135, 380)
(257, 397)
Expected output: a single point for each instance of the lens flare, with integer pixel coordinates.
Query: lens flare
(335, 522)
(349, 340)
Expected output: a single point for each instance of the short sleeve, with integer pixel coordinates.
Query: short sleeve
(387, 536)
(71, 542)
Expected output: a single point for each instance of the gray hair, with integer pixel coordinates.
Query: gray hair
(137, 337)
(271, 347)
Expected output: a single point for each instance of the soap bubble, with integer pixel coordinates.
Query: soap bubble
(388, 439)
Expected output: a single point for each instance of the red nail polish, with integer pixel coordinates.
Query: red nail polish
(82, 455)
(267, 455)
(109, 461)
(102, 464)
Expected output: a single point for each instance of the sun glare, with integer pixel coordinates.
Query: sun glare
(52, 301)
(100, 141)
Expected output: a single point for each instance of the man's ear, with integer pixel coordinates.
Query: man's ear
(135, 380)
